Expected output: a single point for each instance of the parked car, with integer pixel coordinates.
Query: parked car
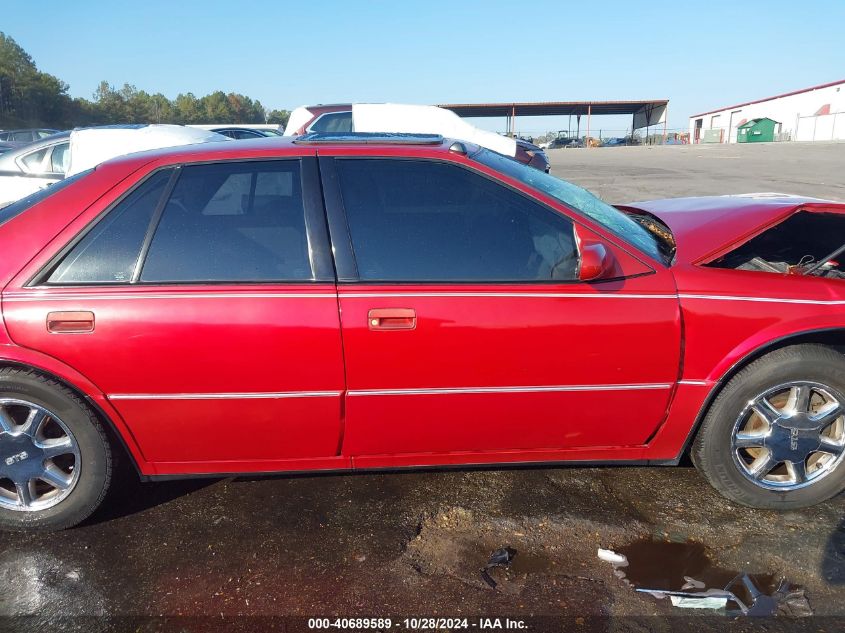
(7, 147)
(31, 167)
(263, 129)
(25, 136)
(27, 168)
(241, 133)
(180, 308)
(407, 119)
(531, 155)
(565, 142)
(614, 142)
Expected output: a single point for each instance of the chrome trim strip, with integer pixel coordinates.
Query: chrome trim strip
(515, 295)
(537, 389)
(224, 396)
(694, 383)
(205, 295)
(387, 295)
(818, 302)
(393, 392)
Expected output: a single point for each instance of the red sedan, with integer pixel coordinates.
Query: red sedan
(333, 303)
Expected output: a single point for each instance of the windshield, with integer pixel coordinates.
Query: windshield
(577, 199)
(16, 208)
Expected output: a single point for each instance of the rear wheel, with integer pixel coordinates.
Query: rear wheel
(55, 459)
(775, 436)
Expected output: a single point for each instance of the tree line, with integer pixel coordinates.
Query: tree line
(31, 98)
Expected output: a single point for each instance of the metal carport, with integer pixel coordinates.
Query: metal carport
(644, 114)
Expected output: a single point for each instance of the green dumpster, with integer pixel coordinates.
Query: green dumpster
(757, 131)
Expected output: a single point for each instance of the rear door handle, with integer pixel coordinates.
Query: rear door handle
(392, 319)
(70, 322)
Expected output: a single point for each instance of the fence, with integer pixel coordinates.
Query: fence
(823, 127)
(600, 137)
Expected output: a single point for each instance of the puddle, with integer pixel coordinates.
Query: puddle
(684, 573)
(665, 565)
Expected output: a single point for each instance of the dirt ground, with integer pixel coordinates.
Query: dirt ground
(193, 555)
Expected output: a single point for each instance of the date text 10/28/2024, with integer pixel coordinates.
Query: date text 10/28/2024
(416, 624)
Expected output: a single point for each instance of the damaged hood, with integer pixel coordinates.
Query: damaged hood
(708, 225)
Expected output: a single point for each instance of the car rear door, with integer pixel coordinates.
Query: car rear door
(465, 329)
(203, 304)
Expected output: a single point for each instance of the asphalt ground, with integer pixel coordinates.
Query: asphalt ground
(252, 553)
(627, 174)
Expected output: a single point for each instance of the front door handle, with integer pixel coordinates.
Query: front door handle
(70, 322)
(392, 319)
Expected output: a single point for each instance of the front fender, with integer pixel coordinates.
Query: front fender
(769, 338)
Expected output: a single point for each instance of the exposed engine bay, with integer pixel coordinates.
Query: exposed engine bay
(660, 230)
(806, 243)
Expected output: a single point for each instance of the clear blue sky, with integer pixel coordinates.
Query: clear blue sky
(700, 55)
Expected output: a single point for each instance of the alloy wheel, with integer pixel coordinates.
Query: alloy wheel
(39, 457)
(790, 436)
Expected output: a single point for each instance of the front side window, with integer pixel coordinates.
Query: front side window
(426, 221)
(236, 222)
(579, 200)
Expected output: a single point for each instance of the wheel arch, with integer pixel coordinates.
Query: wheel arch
(833, 338)
(116, 431)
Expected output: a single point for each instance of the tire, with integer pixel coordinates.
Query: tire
(718, 451)
(89, 468)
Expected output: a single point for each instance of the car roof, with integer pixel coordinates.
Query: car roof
(368, 138)
(279, 146)
(30, 129)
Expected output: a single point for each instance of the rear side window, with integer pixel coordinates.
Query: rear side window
(332, 122)
(109, 252)
(60, 158)
(222, 222)
(426, 221)
(235, 222)
(34, 161)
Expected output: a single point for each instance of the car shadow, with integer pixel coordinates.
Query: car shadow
(833, 561)
(129, 495)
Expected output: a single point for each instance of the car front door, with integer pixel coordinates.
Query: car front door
(466, 330)
(203, 305)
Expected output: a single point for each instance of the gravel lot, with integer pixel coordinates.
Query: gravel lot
(414, 544)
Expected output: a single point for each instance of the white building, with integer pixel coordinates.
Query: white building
(812, 114)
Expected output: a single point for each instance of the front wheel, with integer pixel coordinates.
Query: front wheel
(55, 459)
(775, 437)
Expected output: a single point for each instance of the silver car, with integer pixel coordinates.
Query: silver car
(33, 166)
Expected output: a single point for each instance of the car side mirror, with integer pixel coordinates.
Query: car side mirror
(595, 260)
